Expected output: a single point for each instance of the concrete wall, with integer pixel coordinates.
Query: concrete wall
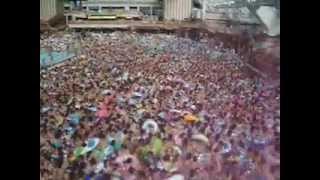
(235, 14)
(177, 9)
(50, 8)
(235, 10)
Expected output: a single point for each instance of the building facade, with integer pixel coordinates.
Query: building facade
(148, 7)
(50, 9)
(177, 9)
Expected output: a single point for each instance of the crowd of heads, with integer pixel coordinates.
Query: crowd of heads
(155, 106)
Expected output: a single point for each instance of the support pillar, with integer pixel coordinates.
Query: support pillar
(67, 19)
(204, 9)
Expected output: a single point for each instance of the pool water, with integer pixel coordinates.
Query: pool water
(49, 59)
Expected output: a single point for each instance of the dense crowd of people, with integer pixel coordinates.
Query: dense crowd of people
(155, 106)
